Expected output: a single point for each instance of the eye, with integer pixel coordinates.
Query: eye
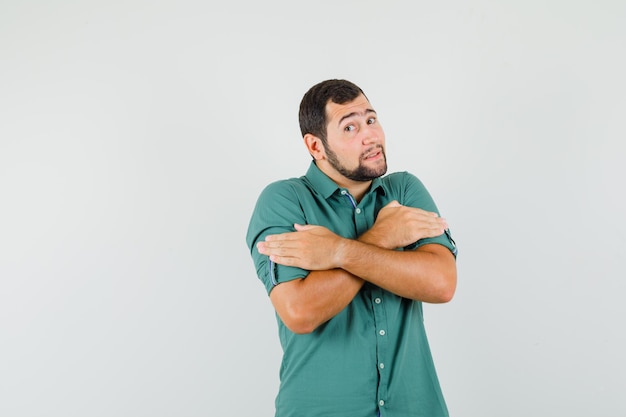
(371, 120)
(349, 128)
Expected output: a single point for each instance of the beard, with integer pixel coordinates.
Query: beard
(361, 173)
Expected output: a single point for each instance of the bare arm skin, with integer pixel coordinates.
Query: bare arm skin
(339, 266)
(304, 304)
(426, 274)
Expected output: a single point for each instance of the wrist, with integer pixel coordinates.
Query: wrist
(341, 250)
(370, 237)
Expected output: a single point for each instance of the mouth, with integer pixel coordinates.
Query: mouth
(371, 155)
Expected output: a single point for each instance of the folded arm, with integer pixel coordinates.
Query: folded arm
(340, 266)
(303, 304)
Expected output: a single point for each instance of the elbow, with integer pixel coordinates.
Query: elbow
(446, 284)
(297, 321)
(446, 295)
(300, 329)
(293, 310)
(299, 326)
(438, 283)
(444, 291)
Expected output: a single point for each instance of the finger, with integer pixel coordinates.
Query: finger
(283, 260)
(393, 203)
(441, 222)
(423, 212)
(282, 251)
(261, 248)
(276, 243)
(265, 248)
(278, 237)
(302, 227)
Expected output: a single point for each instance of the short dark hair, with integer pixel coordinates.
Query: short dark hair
(312, 114)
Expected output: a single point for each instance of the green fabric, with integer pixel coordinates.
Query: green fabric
(374, 354)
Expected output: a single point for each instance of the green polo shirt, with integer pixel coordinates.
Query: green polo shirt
(373, 357)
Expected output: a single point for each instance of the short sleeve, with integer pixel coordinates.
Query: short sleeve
(276, 211)
(415, 194)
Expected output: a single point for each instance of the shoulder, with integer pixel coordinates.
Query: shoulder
(400, 177)
(409, 190)
(401, 181)
(286, 195)
(286, 188)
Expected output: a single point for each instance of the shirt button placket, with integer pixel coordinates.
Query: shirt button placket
(381, 341)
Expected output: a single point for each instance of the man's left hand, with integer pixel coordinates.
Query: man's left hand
(309, 247)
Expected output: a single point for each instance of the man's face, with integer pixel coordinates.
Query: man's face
(355, 140)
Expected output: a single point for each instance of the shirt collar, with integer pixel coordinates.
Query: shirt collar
(327, 187)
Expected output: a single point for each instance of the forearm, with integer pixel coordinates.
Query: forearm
(339, 267)
(426, 274)
(305, 304)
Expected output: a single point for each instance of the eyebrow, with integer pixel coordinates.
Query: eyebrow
(355, 113)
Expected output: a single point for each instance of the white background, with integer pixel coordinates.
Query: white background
(136, 135)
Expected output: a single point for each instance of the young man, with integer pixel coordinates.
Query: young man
(347, 256)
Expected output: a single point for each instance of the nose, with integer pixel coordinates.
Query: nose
(371, 135)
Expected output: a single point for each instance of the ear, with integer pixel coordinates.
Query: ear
(315, 146)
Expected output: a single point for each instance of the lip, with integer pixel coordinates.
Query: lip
(373, 155)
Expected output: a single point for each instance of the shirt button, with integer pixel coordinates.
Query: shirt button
(377, 300)
(381, 403)
(358, 211)
(344, 192)
(382, 332)
(382, 365)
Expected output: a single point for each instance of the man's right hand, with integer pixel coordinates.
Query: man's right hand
(398, 226)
